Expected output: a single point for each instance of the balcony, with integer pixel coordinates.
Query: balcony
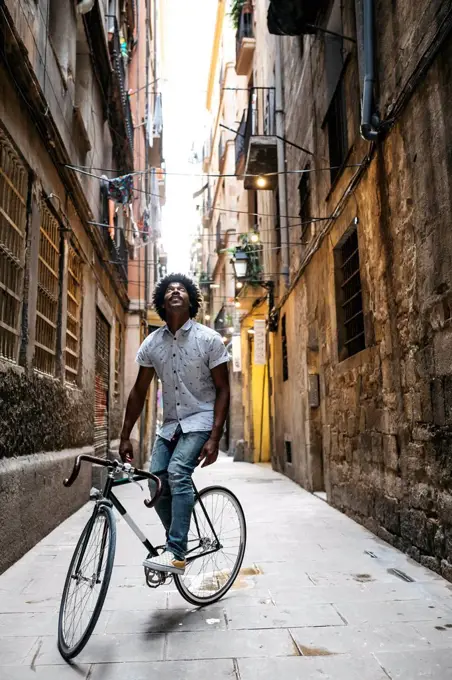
(245, 41)
(120, 112)
(255, 144)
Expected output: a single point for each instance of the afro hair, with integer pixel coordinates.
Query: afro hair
(194, 294)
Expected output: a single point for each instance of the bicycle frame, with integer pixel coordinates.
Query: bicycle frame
(108, 497)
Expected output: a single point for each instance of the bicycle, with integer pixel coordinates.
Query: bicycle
(211, 537)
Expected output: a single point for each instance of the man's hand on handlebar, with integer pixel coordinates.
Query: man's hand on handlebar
(126, 450)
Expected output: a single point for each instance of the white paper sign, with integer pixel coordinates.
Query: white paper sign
(236, 354)
(260, 353)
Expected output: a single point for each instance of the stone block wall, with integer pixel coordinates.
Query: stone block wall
(385, 413)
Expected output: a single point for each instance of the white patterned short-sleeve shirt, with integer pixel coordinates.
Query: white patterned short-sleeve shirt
(183, 363)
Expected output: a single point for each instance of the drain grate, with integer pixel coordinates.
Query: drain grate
(371, 554)
(401, 575)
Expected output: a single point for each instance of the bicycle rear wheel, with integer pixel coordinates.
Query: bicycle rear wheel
(87, 582)
(213, 567)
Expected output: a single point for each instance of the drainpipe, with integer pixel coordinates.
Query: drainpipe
(369, 121)
(282, 186)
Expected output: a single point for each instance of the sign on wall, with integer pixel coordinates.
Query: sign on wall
(260, 337)
(236, 354)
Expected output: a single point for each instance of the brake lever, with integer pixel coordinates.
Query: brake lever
(130, 471)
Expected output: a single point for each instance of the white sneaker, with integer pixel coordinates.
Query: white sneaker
(165, 562)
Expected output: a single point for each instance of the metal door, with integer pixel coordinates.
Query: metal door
(101, 389)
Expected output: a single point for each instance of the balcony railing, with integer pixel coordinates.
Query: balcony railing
(257, 121)
(245, 41)
(240, 145)
(119, 71)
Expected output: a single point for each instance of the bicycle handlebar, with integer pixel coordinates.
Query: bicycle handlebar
(136, 472)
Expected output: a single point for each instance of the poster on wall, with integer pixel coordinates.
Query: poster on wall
(236, 354)
(260, 353)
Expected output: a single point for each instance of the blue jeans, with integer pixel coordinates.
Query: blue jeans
(174, 463)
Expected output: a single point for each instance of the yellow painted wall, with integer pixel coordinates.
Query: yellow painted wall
(255, 396)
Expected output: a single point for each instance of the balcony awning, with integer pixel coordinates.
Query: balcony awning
(290, 17)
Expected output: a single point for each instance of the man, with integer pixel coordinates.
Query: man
(191, 361)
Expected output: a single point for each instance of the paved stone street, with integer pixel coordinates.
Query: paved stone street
(318, 597)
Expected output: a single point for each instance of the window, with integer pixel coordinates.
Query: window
(304, 194)
(118, 358)
(336, 110)
(48, 293)
(73, 321)
(300, 39)
(253, 219)
(13, 219)
(285, 361)
(350, 315)
(336, 123)
(288, 451)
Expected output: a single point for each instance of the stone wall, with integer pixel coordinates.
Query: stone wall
(381, 437)
(33, 500)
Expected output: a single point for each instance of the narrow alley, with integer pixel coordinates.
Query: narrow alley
(318, 597)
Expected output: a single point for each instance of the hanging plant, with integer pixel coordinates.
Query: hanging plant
(236, 12)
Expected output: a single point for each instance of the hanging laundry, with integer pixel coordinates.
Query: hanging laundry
(158, 116)
(149, 122)
(146, 224)
(120, 189)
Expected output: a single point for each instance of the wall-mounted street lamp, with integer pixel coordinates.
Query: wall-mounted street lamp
(240, 264)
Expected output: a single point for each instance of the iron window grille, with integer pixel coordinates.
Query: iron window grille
(285, 361)
(350, 307)
(48, 293)
(73, 320)
(14, 182)
(118, 358)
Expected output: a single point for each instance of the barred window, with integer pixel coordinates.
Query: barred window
(48, 293)
(13, 218)
(350, 314)
(118, 358)
(74, 305)
(285, 359)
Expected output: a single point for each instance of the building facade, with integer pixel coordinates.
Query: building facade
(67, 229)
(361, 357)
(343, 173)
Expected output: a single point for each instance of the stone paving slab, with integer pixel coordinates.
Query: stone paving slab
(320, 668)
(429, 664)
(166, 620)
(316, 599)
(44, 672)
(262, 616)
(224, 644)
(219, 669)
(358, 640)
(103, 649)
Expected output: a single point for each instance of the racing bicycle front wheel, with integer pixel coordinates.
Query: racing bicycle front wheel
(87, 582)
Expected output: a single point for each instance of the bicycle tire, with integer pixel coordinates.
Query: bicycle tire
(68, 649)
(181, 580)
